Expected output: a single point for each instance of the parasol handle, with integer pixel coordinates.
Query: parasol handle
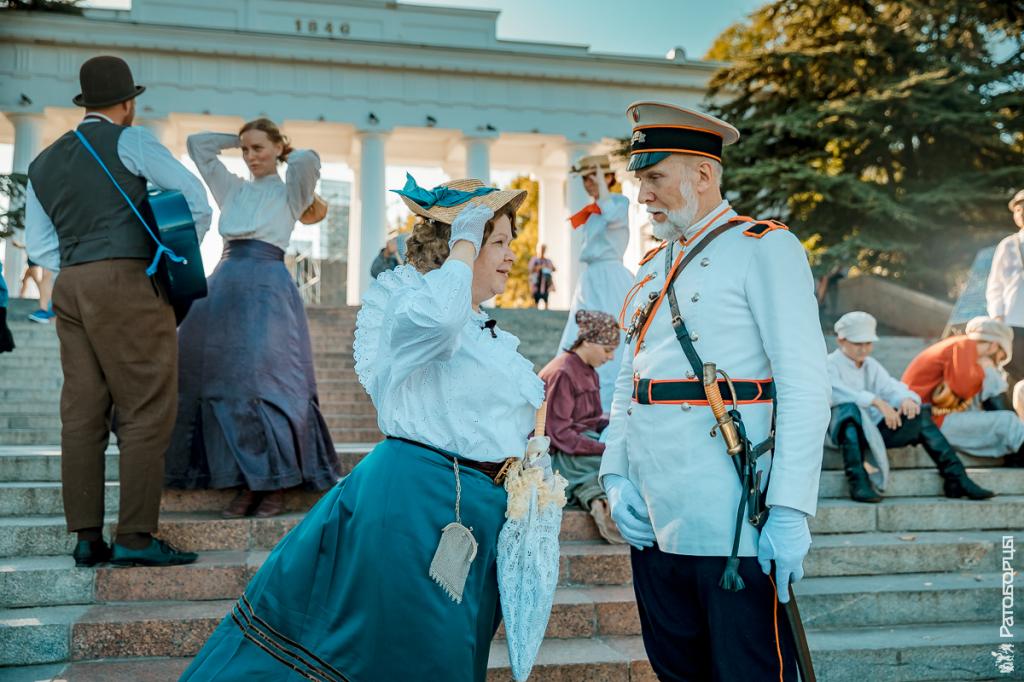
(542, 417)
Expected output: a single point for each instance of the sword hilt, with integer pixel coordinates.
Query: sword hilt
(725, 423)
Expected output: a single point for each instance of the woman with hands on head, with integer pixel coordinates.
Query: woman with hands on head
(248, 411)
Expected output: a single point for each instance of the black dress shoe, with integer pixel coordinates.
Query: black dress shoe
(158, 553)
(91, 552)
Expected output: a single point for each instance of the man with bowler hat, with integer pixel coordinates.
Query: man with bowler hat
(118, 344)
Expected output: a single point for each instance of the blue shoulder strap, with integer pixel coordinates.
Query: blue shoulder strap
(160, 248)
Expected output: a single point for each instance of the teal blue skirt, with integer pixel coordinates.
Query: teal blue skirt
(346, 595)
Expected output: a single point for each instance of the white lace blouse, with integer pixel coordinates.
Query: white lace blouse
(435, 374)
(263, 208)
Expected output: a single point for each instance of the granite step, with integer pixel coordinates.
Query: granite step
(908, 654)
(926, 482)
(198, 531)
(581, 610)
(29, 436)
(855, 554)
(42, 498)
(913, 457)
(26, 463)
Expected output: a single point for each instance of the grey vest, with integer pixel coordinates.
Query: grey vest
(92, 219)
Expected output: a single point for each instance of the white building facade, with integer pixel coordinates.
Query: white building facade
(369, 84)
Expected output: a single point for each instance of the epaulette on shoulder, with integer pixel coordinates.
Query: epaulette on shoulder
(759, 228)
(652, 253)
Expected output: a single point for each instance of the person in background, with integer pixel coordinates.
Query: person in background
(6, 339)
(387, 259)
(1004, 293)
(43, 279)
(248, 411)
(118, 346)
(958, 377)
(604, 281)
(871, 411)
(540, 271)
(575, 420)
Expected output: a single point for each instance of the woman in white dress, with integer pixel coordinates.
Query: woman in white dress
(604, 281)
(248, 412)
(362, 590)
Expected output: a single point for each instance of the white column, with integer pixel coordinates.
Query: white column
(369, 232)
(555, 232)
(478, 158)
(28, 142)
(577, 199)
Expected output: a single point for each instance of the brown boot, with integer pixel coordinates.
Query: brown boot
(240, 506)
(602, 514)
(272, 504)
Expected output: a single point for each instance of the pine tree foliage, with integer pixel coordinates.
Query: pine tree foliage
(890, 133)
(12, 203)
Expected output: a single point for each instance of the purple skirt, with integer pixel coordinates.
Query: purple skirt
(248, 411)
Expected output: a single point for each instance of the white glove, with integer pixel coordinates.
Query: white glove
(469, 225)
(629, 511)
(786, 539)
(538, 455)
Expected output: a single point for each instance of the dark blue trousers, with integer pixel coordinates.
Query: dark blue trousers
(695, 631)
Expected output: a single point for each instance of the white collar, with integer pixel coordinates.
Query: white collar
(92, 116)
(718, 215)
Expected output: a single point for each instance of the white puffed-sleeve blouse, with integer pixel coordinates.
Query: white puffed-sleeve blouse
(262, 208)
(435, 373)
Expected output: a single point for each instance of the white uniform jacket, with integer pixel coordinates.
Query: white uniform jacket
(748, 303)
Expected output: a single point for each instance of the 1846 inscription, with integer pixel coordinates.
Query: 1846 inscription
(321, 27)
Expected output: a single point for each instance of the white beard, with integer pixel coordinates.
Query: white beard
(680, 220)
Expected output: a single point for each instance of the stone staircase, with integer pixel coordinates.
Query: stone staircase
(908, 590)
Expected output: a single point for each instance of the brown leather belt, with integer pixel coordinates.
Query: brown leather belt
(495, 471)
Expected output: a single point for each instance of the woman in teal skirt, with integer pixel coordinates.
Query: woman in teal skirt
(366, 588)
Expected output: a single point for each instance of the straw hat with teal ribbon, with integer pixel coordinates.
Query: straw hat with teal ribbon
(444, 202)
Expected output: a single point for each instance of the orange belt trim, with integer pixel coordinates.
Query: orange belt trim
(756, 400)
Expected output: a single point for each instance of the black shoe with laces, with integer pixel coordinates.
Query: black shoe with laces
(158, 553)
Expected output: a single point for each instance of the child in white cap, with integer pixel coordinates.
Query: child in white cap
(872, 411)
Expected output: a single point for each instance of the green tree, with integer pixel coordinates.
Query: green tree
(59, 6)
(888, 133)
(12, 203)
(517, 292)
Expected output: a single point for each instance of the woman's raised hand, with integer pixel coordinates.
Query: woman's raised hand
(469, 225)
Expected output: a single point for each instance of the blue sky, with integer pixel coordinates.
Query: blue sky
(637, 27)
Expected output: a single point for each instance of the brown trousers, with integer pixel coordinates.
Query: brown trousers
(118, 348)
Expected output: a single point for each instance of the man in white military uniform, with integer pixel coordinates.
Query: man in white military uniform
(744, 297)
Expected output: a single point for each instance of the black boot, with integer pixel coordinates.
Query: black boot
(861, 489)
(1015, 459)
(6, 340)
(955, 482)
(996, 402)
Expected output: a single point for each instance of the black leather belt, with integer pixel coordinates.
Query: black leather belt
(675, 391)
(495, 471)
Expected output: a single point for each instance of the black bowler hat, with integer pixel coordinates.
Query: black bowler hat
(106, 81)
